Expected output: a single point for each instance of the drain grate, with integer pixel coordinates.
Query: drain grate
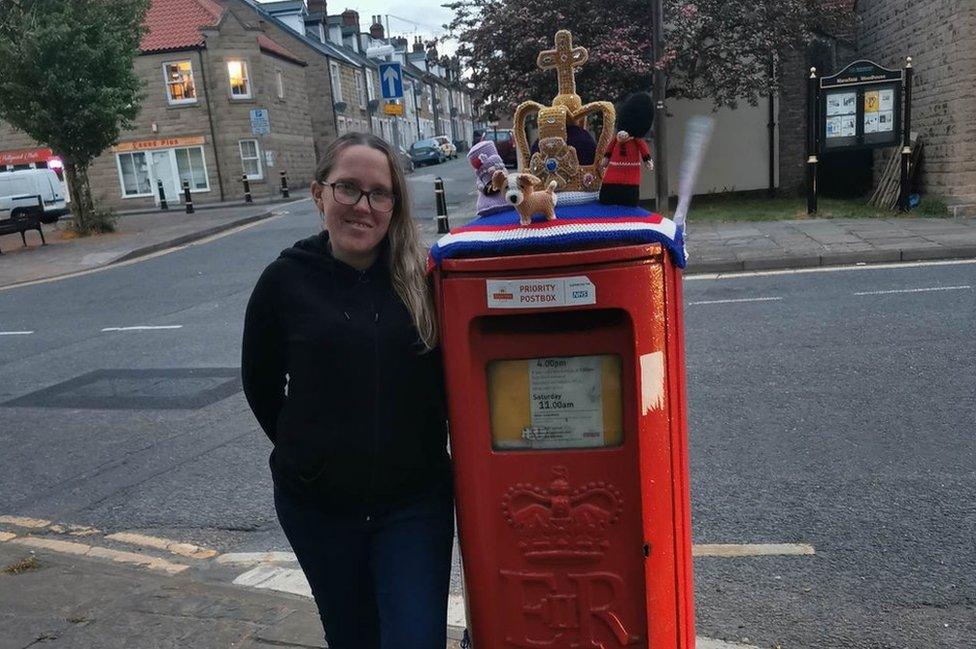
(175, 388)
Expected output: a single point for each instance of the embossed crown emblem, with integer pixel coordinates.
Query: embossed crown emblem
(557, 159)
(560, 524)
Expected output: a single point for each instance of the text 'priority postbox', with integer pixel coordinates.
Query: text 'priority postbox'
(565, 376)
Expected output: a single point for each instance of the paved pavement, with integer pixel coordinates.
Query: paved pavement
(74, 588)
(763, 245)
(712, 247)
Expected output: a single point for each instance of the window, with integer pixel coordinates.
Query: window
(251, 159)
(361, 89)
(240, 85)
(336, 82)
(134, 174)
(370, 88)
(340, 124)
(192, 169)
(179, 83)
(280, 83)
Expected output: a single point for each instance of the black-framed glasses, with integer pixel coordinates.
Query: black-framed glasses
(349, 194)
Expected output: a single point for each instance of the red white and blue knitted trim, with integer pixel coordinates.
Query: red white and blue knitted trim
(500, 234)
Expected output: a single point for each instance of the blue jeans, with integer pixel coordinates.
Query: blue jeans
(379, 582)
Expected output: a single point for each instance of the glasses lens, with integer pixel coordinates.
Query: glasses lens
(382, 201)
(346, 193)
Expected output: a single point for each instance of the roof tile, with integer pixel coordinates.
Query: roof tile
(176, 24)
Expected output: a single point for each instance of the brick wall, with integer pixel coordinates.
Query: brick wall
(316, 84)
(940, 36)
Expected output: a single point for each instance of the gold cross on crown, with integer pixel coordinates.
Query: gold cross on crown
(565, 59)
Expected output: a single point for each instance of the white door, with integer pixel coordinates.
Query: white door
(164, 168)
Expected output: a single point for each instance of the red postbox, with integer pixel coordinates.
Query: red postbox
(566, 386)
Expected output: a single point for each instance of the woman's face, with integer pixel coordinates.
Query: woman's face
(355, 231)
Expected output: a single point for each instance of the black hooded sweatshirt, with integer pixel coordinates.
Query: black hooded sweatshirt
(341, 383)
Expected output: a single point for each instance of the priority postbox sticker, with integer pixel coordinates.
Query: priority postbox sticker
(540, 293)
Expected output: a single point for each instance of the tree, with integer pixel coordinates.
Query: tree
(500, 39)
(67, 79)
(714, 49)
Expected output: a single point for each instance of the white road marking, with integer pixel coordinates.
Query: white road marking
(143, 328)
(917, 290)
(751, 549)
(285, 580)
(15, 333)
(743, 299)
(828, 269)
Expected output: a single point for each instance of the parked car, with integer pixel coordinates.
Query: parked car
(426, 152)
(505, 143)
(450, 151)
(406, 162)
(32, 190)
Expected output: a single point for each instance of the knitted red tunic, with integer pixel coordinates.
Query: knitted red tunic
(625, 162)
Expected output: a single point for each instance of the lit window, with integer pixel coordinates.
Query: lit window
(281, 83)
(240, 85)
(251, 159)
(134, 174)
(179, 83)
(192, 169)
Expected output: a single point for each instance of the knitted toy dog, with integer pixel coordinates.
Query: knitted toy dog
(520, 191)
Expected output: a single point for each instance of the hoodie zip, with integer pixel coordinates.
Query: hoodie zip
(376, 391)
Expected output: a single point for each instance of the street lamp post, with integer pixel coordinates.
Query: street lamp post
(660, 119)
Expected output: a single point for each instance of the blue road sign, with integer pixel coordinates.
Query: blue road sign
(391, 80)
(260, 121)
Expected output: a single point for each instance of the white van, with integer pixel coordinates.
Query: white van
(19, 192)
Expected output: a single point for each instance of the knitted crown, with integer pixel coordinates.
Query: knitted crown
(556, 159)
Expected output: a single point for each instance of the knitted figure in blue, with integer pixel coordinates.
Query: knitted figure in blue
(485, 160)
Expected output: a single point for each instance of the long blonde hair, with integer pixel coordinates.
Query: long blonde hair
(405, 257)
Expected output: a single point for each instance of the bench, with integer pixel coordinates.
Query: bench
(21, 221)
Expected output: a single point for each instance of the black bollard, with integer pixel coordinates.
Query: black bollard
(186, 197)
(442, 225)
(162, 196)
(284, 185)
(247, 190)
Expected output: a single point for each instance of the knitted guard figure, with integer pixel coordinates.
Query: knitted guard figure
(622, 161)
(484, 157)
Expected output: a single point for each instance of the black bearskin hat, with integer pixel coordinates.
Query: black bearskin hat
(636, 114)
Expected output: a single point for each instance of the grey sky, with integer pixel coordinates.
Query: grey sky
(415, 18)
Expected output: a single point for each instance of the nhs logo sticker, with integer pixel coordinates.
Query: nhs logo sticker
(580, 290)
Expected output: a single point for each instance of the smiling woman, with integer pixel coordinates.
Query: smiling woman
(341, 369)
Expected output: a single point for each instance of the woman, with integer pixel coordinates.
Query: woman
(341, 370)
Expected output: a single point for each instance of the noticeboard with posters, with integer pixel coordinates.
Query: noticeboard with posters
(860, 106)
